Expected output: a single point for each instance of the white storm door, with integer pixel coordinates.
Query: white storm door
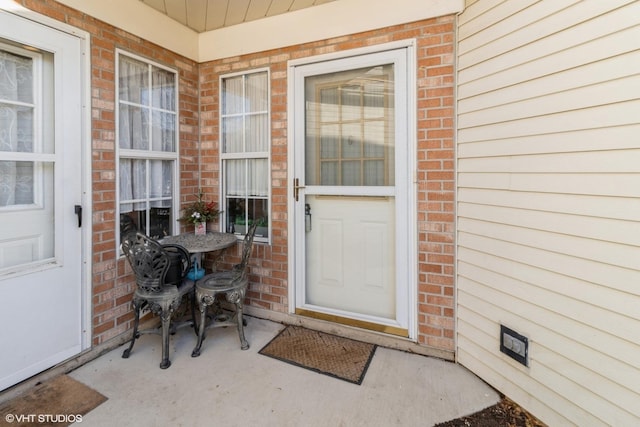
(351, 186)
(40, 185)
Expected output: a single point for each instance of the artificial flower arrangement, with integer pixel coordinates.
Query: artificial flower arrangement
(200, 211)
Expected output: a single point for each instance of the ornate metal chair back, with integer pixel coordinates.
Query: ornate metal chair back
(247, 247)
(149, 261)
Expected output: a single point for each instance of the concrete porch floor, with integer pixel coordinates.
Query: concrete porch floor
(231, 387)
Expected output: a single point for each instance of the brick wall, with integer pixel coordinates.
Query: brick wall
(435, 163)
(112, 283)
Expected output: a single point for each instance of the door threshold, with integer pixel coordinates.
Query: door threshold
(362, 324)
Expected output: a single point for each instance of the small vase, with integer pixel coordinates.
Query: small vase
(200, 228)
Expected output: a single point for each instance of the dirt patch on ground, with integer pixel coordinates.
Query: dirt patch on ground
(503, 414)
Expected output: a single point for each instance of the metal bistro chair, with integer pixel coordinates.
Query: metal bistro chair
(160, 272)
(233, 284)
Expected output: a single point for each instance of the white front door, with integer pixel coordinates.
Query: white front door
(40, 185)
(351, 191)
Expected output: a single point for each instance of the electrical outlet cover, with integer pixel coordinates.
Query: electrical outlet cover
(514, 345)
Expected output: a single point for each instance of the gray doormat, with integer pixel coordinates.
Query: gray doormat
(327, 354)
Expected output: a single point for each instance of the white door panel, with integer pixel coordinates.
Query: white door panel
(351, 255)
(41, 183)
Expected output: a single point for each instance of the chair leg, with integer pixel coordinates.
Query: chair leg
(244, 344)
(137, 306)
(203, 317)
(194, 322)
(166, 326)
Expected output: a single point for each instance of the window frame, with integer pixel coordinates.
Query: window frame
(149, 154)
(224, 157)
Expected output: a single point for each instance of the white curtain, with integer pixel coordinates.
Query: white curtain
(258, 177)
(16, 127)
(147, 116)
(246, 130)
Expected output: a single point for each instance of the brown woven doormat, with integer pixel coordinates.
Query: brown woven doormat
(60, 401)
(327, 354)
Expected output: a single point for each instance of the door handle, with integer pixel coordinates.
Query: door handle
(78, 210)
(296, 188)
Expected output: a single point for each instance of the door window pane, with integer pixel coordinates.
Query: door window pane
(17, 112)
(349, 127)
(16, 183)
(17, 81)
(27, 198)
(16, 128)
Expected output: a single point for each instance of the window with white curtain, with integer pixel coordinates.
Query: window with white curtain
(147, 145)
(244, 151)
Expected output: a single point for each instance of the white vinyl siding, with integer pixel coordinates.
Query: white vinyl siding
(548, 210)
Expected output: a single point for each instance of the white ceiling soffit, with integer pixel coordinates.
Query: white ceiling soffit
(280, 25)
(207, 15)
(334, 19)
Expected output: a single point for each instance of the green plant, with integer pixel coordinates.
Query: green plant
(199, 211)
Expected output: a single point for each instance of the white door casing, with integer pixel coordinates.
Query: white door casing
(356, 260)
(42, 251)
